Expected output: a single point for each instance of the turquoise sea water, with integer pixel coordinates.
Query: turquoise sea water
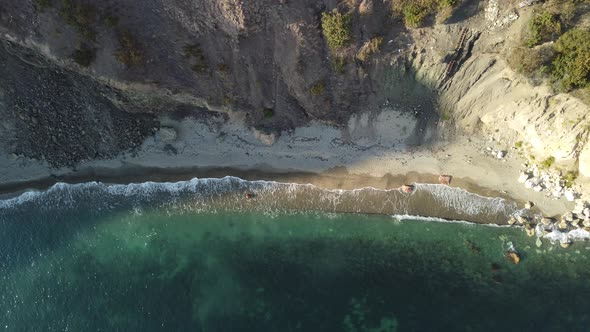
(88, 259)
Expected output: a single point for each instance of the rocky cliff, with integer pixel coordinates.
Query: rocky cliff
(122, 63)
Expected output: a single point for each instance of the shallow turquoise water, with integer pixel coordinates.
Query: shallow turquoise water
(78, 264)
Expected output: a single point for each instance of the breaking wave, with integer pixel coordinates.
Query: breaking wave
(229, 193)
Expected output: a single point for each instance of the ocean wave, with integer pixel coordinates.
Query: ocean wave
(432, 200)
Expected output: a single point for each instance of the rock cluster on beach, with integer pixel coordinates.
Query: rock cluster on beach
(548, 182)
(571, 225)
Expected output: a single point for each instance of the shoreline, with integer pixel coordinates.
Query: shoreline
(335, 179)
(370, 152)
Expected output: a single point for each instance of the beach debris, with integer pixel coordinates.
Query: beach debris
(445, 179)
(407, 188)
(529, 205)
(512, 256)
(167, 134)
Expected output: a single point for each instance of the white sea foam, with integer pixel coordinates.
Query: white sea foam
(198, 191)
(401, 217)
(566, 237)
(454, 198)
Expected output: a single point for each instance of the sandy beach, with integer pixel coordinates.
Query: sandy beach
(374, 150)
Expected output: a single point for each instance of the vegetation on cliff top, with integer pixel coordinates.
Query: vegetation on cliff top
(369, 48)
(566, 63)
(337, 29)
(415, 12)
(543, 27)
(571, 67)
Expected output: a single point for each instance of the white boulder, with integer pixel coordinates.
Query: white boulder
(569, 195)
(523, 177)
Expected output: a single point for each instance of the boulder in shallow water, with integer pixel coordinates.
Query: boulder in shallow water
(530, 230)
(407, 188)
(569, 217)
(565, 244)
(547, 221)
(521, 220)
(586, 222)
(562, 225)
(511, 220)
(512, 256)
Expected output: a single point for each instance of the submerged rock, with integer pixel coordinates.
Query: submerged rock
(512, 256)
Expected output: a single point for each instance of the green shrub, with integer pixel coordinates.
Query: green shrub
(542, 28)
(533, 63)
(339, 64)
(317, 89)
(337, 29)
(414, 12)
(129, 53)
(369, 48)
(571, 67)
(548, 162)
(414, 15)
(569, 177)
(268, 112)
(518, 144)
(80, 16)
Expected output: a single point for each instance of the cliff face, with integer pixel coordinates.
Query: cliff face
(263, 58)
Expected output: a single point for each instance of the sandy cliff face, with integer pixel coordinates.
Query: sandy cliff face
(257, 57)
